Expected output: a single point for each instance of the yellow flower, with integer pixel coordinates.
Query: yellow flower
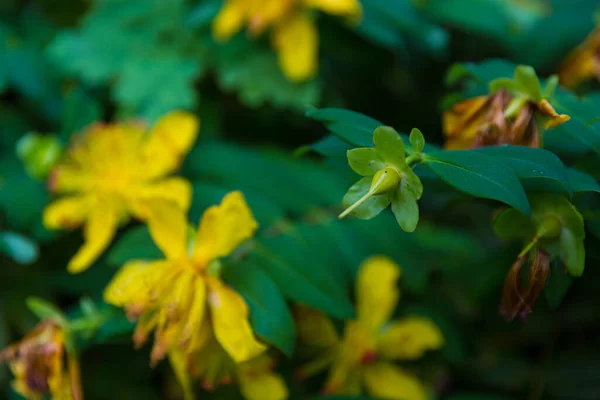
(583, 63)
(182, 297)
(363, 357)
(215, 367)
(294, 33)
(497, 119)
(38, 363)
(113, 171)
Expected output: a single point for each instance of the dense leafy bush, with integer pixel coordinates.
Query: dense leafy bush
(304, 199)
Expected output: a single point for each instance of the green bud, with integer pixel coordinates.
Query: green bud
(550, 227)
(417, 141)
(39, 153)
(385, 180)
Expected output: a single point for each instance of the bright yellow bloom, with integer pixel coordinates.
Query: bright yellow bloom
(583, 63)
(362, 359)
(113, 171)
(179, 295)
(294, 33)
(38, 363)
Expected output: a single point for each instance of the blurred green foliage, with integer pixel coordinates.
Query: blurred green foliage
(67, 63)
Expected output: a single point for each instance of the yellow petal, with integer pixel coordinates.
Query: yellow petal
(100, 227)
(132, 284)
(230, 20)
(263, 386)
(177, 190)
(376, 291)
(582, 63)
(180, 368)
(168, 142)
(223, 228)
(167, 223)
(68, 212)
(230, 322)
(68, 179)
(347, 8)
(193, 337)
(296, 40)
(314, 328)
(409, 338)
(387, 381)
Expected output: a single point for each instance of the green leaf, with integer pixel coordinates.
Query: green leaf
(21, 249)
(331, 146)
(46, 310)
(479, 175)
(121, 41)
(352, 127)
(269, 313)
(391, 22)
(136, 244)
(286, 259)
(537, 169)
(78, 111)
(252, 71)
(511, 223)
(557, 285)
(579, 135)
(582, 182)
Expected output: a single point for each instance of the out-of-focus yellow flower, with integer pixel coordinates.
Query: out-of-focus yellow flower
(111, 172)
(497, 119)
(294, 34)
(363, 357)
(182, 297)
(583, 63)
(38, 363)
(215, 367)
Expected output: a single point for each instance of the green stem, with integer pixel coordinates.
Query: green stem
(413, 159)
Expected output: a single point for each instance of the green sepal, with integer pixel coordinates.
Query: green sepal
(372, 206)
(365, 161)
(417, 140)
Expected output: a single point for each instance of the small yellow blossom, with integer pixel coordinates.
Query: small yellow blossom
(494, 120)
(363, 358)
(38, 363)
(294, 34)
(113, 171)
(182, 297)
(583, 63)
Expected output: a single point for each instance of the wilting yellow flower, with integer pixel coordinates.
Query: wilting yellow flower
(294, 33)
(494, 120)
(111, 172)
(583, 63)
(179, 295)
(363, 357)
(38, 363)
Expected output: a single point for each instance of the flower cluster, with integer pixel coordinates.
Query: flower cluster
(294, 33)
